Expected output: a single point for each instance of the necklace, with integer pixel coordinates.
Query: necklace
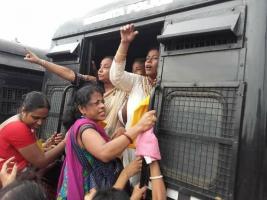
(147, 85)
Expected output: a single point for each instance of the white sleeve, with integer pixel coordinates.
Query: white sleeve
(120, 78)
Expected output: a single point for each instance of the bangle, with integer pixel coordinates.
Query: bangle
(128, 137)
(121, 54)
(155, 177)
(42, 62)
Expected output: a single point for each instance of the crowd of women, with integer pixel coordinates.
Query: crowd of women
(103, 129)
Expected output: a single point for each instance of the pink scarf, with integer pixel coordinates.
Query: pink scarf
(75, 189)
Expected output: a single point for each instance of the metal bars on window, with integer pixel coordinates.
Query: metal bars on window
(197, 132)
(55, 95)
(10, 99)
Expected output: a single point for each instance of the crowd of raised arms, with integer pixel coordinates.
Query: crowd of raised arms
(106, 141)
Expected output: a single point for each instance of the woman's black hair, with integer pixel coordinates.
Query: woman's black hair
(81, 98)
(111, 194)
(108, 57)
(34, 100)
(23, 190)
(153, 48)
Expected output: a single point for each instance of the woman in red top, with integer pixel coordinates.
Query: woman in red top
(18, 135)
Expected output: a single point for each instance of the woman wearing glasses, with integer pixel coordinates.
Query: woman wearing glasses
(91, 161)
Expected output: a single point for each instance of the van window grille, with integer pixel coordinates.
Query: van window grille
(200, 41)
(55, 95)
(9, 108)
(10, 99)
(196, 136)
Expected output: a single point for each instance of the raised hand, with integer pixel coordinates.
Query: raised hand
(31, 57)
(7, 177)
(128, 33)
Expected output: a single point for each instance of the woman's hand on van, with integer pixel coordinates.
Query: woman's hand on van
(138, 193)
(133, 167)
(58, 137)
(129, 170)
(128, 33)
(147, 121)
(52, 141)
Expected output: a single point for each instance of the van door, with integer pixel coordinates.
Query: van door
(199, 100)
(66, 53)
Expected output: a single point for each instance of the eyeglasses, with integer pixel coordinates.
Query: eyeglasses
(97, 103)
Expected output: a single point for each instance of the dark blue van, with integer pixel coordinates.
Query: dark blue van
(211, 96)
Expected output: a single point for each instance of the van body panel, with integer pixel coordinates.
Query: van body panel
(210, 95)
(121, 12)
(220, 65)
(251, 181)
(17, 76)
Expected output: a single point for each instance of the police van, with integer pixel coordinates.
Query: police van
(17, 76)
(210, 95)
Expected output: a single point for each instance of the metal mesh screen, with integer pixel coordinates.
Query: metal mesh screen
(190, 42)
(196, 136)
(10, 99)
(55, 95)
